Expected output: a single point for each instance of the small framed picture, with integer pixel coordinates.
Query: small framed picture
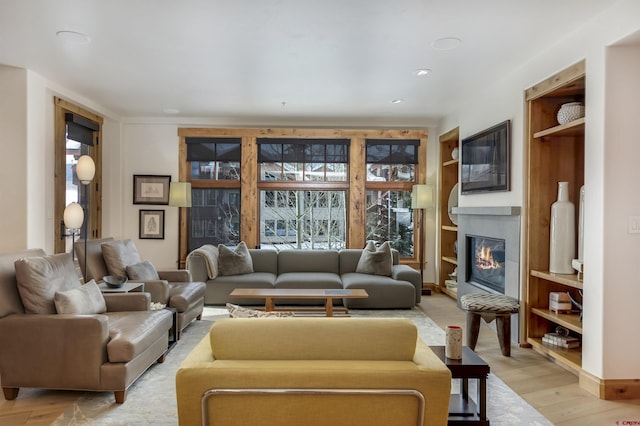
(151, 189)
(151, 224)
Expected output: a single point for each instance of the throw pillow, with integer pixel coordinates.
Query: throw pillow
(236, 311)
(142, 271)
(84, 300)
(234, 262)
(375, 262)
(118, 255)
(39, 278)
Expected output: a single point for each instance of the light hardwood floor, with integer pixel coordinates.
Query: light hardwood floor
(549, 388)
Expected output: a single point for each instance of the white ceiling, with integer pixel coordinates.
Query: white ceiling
(275, 59)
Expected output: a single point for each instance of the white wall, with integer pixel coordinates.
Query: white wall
(608, 309)
(13, 173)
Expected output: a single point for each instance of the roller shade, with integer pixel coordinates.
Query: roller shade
(392, 151)
(213, 149)
(80, 129)
(272, 150)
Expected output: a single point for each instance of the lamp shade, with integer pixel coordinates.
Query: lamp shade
(180, 194)
(422, 197)
(85, 169)
(73, 216)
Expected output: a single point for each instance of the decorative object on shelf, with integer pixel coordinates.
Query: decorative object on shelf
(576, 303)
(453, 202)
(455, 153)
(570, 111)
(559, 302)
(151, 189)
(562, 239)
(578, 264)
(455, 247)
(114, 281)
(453, 342)
(422, 199)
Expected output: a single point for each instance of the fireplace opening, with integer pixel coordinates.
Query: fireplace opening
(485, 263)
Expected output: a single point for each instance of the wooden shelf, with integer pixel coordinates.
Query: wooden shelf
(449, 228)
(449, 292)
(451, 163)
(568, 358)
(451, 260)
(570, 321)
(573, 128)
(564, 279)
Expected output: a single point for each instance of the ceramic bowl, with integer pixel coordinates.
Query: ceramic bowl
(114, 281)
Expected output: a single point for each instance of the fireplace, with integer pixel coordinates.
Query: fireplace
(493, 233)
(485, 263)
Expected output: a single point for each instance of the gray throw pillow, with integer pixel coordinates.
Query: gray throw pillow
(234, 262)
(375, 262)
(39, 278)
(142, 271)
(84, 300)
(118, 255)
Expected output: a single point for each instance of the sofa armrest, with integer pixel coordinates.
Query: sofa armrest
(407, 273)
(175, 275)
(158, 289)
(32, 349)
(122, 302)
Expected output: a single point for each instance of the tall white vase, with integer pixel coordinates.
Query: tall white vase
(562, 241)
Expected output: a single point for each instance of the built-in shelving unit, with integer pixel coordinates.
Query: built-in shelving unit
(555, 154)
(448, 232)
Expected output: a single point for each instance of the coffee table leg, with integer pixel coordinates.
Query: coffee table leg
(268, 304)
(482, 398)
(328, 306)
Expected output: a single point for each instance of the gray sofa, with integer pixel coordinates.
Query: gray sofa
(329, 269)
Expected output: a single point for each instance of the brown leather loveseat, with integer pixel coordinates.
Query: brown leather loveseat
(56, 333)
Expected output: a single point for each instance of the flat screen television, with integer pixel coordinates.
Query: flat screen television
(485, 160)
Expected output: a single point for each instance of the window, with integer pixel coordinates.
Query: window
(304, 221)
(303, 159)
(214, 158)
(391, 160)
(390, 218)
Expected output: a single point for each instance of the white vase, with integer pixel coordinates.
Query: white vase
(562, 240)
(453, 342)
(455, 153)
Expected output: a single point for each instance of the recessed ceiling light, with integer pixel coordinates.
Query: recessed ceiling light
(397, 101)
(73, 37)
(171, 111)
(422, 72)
(446, 43)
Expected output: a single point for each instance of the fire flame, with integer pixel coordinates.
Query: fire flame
(484, 258)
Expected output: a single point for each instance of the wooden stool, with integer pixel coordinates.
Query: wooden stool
(489, 307)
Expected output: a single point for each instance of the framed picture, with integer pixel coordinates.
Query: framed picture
(151, 189)
(151, 225)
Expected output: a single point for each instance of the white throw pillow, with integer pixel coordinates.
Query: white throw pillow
(84, 300)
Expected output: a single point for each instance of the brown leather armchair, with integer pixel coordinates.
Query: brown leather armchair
(40, 348)
(175, 288)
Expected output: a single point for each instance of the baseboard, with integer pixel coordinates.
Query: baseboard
(610, 389)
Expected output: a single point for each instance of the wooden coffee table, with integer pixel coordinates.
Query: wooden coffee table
(269, 294)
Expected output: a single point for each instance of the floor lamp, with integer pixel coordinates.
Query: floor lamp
(72, 220)
(422, 199)
(86, 170)
(180, 196)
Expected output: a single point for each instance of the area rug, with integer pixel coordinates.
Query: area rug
(151, 399)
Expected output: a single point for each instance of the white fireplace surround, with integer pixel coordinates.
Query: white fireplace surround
(495, 222)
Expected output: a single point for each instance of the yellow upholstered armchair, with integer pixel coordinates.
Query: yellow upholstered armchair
(313, 371)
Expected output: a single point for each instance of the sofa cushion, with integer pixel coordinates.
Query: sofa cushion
(308, 280)
(375, 262)
(234, 262)
(84, 300)
(384, 292)
(118, 255)
(308, 261)
(142, 271)
(132, 332)
(390, 339)
(39, 278)
(236, 311)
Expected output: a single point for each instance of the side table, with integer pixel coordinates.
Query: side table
(462, 410)
(173, 331)
(124, 288)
